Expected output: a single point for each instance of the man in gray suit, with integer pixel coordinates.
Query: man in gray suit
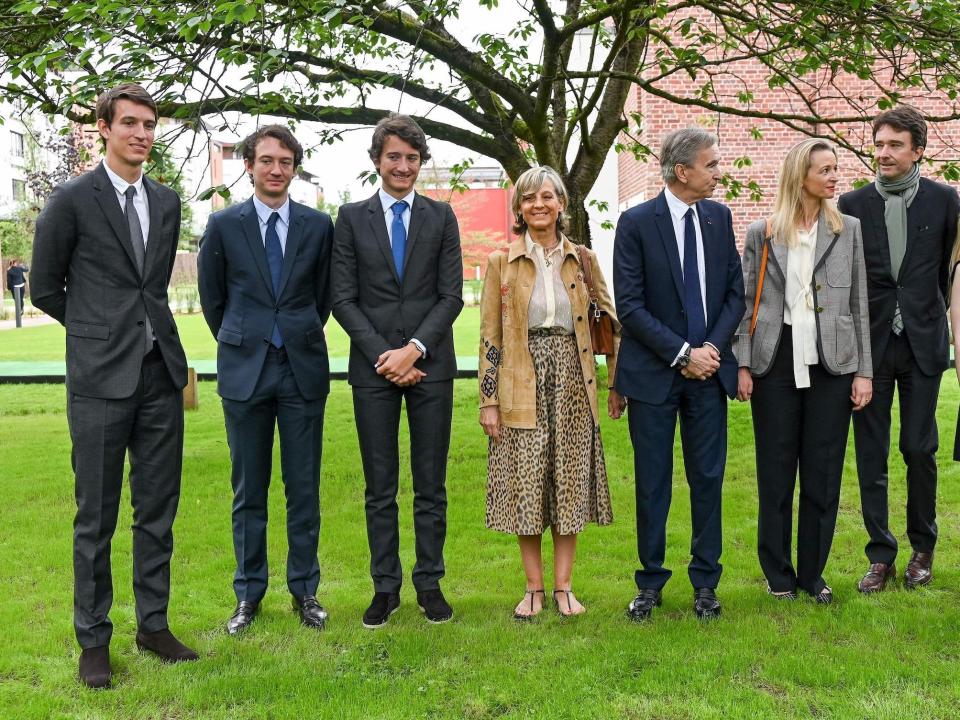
(103, 254)
(264, 271)
(397, 287)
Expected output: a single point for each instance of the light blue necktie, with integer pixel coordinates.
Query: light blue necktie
(398, 235)
(275, 262)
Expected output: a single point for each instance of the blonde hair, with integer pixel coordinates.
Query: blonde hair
(788, 207)
(529, 182)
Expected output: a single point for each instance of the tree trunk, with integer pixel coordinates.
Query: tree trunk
(578, 226)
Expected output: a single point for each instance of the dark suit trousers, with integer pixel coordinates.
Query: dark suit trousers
(149, 426)
(429, 413)
(702, 409)
(918, 445)
(803, 430)
(276, 403)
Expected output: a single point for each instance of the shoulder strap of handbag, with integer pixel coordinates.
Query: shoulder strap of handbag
(587, 272)
(768, 233)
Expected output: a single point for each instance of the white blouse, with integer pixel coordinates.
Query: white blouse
(549, 303)
(798, 308)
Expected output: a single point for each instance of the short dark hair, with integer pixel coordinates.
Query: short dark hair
(903, 118)
(405, 128)
(280, 133)
(107, 100)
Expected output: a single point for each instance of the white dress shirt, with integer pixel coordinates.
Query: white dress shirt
(678, 209)
(140, 202)
(264, 212)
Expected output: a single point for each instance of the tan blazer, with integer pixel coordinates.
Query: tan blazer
(840, 291)
(506, 373)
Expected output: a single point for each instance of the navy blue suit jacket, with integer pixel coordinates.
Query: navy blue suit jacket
(236, 293)
(648, 289)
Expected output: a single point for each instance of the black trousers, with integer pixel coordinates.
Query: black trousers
(702, 409)
(798, 430)
(276, 403)
(429, 414)
(918, 444)
(149, 427)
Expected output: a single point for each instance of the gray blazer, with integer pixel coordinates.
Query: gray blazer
(840, 296)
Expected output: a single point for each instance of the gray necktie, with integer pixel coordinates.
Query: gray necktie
(139, 251)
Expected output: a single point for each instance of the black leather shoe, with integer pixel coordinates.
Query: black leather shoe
(705, 603)
(310, 611)
(165, 646)
(95, 669)
(434, 606)
(641, 607)
(382, 606)
(244, 614)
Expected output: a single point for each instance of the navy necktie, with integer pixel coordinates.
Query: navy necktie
(275, 262)
(692, 299)
(398, 236)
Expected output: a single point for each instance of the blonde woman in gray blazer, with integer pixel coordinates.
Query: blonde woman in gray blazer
(805, 366)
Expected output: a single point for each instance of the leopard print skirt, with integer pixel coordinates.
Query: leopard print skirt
(552, 475)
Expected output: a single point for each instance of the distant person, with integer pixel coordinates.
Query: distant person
(909, 225)
(679, 294)
(103, 254)
(17, 282)
(538, 390)
(264, 278)
(397, 288)
(805, 364)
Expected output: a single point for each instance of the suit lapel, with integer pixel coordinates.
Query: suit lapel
(780, 256)
(251, 231)
(825, 238)
(418, 216)
(712, 260)
(665, 226)
(915, 224)
(378, 226)
(294, 234)
(106, 196)
(876, 208)
(151, 251)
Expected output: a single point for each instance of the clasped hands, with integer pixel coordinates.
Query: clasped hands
(704, 363)
(397, 365)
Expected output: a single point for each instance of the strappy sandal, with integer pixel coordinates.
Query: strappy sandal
(569, 612)
(825, 596)
(532, 615)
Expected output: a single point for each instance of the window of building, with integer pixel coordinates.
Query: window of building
(16, 144)
(19, 190)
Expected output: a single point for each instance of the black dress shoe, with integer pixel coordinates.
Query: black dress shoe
(310, 611)
(434, 606)
(95, 669)
(705, 603)
(641, 607)
(382, 606)
(242, 617)
(165, 646)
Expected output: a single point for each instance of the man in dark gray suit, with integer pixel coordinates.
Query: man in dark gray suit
(397, 288)
(103, 254)
(264, 271)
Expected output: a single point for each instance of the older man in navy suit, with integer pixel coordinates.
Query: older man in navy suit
(679, 296)
(264, 270)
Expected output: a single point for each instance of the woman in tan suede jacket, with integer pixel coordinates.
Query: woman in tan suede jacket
(538, 390)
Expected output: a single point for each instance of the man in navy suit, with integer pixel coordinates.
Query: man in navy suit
(264, 270)
(679, 295)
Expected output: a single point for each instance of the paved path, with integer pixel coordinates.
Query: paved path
(27, 322)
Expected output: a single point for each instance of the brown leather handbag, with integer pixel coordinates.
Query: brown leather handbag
(601, 325)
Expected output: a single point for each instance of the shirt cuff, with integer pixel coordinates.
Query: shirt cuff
(420, 346)
(706, 342)
(683, 350)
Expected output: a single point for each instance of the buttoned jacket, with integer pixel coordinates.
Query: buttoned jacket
(839, 296)
(506, 374)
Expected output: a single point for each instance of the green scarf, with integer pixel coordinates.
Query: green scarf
(898, 194)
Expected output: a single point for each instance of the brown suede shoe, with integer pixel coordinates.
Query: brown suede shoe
(877, 578)
(95, 667)
(919, 570)
(165, 646)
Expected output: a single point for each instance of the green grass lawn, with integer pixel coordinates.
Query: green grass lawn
(890, 656)
(46, 342)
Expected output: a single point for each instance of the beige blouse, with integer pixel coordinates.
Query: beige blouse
(549, 304)
(798, 310)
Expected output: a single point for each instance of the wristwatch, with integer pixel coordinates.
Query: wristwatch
(684, 359)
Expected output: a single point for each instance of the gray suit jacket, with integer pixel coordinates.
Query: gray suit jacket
(840, 296)
(85, 275)
(377, 310)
